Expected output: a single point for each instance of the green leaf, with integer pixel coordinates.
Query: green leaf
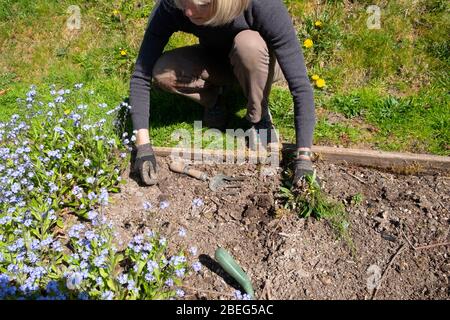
(111, 284)
(60, 223)
(103, 273)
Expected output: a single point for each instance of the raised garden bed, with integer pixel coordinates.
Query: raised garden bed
(399, 227)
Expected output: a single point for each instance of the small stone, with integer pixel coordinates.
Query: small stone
(325, 280)
(268, 171)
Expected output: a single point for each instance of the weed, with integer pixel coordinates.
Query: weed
(357, 199)
(308, 200)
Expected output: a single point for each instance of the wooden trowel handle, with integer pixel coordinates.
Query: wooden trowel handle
(180, 167)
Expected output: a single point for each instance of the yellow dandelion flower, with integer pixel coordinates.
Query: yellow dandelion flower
(116, 12)
(308, 43)
(320, 83)
(315, 77)
(318, 24)
(123, 53)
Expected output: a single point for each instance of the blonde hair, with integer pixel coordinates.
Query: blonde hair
(223, 11)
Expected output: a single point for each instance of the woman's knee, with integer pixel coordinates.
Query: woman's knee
(163, 75)
(249, 47)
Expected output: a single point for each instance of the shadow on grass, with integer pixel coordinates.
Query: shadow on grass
(167, 109)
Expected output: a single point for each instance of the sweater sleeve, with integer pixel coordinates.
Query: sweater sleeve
(162, 24)
(271, 19)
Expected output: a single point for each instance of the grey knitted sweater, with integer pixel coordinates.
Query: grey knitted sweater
(269, 17)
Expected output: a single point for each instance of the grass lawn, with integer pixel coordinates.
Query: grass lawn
(384, 88)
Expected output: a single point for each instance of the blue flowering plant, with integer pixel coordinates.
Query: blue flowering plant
(72, 157)
(60, 157)
(141, 271)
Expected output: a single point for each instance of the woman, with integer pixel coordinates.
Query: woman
(249, 41)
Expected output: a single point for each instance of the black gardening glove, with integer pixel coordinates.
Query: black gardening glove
(303, 167)
(145, 164)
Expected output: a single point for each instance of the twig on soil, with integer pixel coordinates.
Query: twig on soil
(216, 202)
(407, 240)
(442, 205)
(356, 177)
(430, 246)
(207, 291)
(288, 235)
(269, 296)
(433, 245)
(400, 249)
(275, 228)
(266, 290)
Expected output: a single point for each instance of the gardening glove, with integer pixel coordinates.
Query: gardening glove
(302, 168)
(145, 164)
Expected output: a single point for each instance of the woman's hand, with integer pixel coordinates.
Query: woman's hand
(303, 166)
(145, 164)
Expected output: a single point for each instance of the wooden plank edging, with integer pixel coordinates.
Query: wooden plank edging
(408, 163)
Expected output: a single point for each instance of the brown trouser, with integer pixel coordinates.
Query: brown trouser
(198, 74)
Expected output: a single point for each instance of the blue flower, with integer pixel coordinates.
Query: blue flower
(57, 246)
(60, 99)
(180, 272)
(149, 277)
(90, 235)
(147, 205)
(193, 251)
(59, 130)
(131, 284)
(197, 266)
(87, 163)
(148, 247)
(83, 296)
(180, 293)
(99, 261)
(92, 215)
(182, 232)
(77, 192)
(122, 278)
(176, 260)
(239, 296)
(164, 204)
(197, 202)
(52, 287)
(74, 280)
(151, 265)
(99, 281)
(107, 295)
(169, 282)
(74, 232)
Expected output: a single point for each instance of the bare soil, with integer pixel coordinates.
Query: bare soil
(399, 232)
